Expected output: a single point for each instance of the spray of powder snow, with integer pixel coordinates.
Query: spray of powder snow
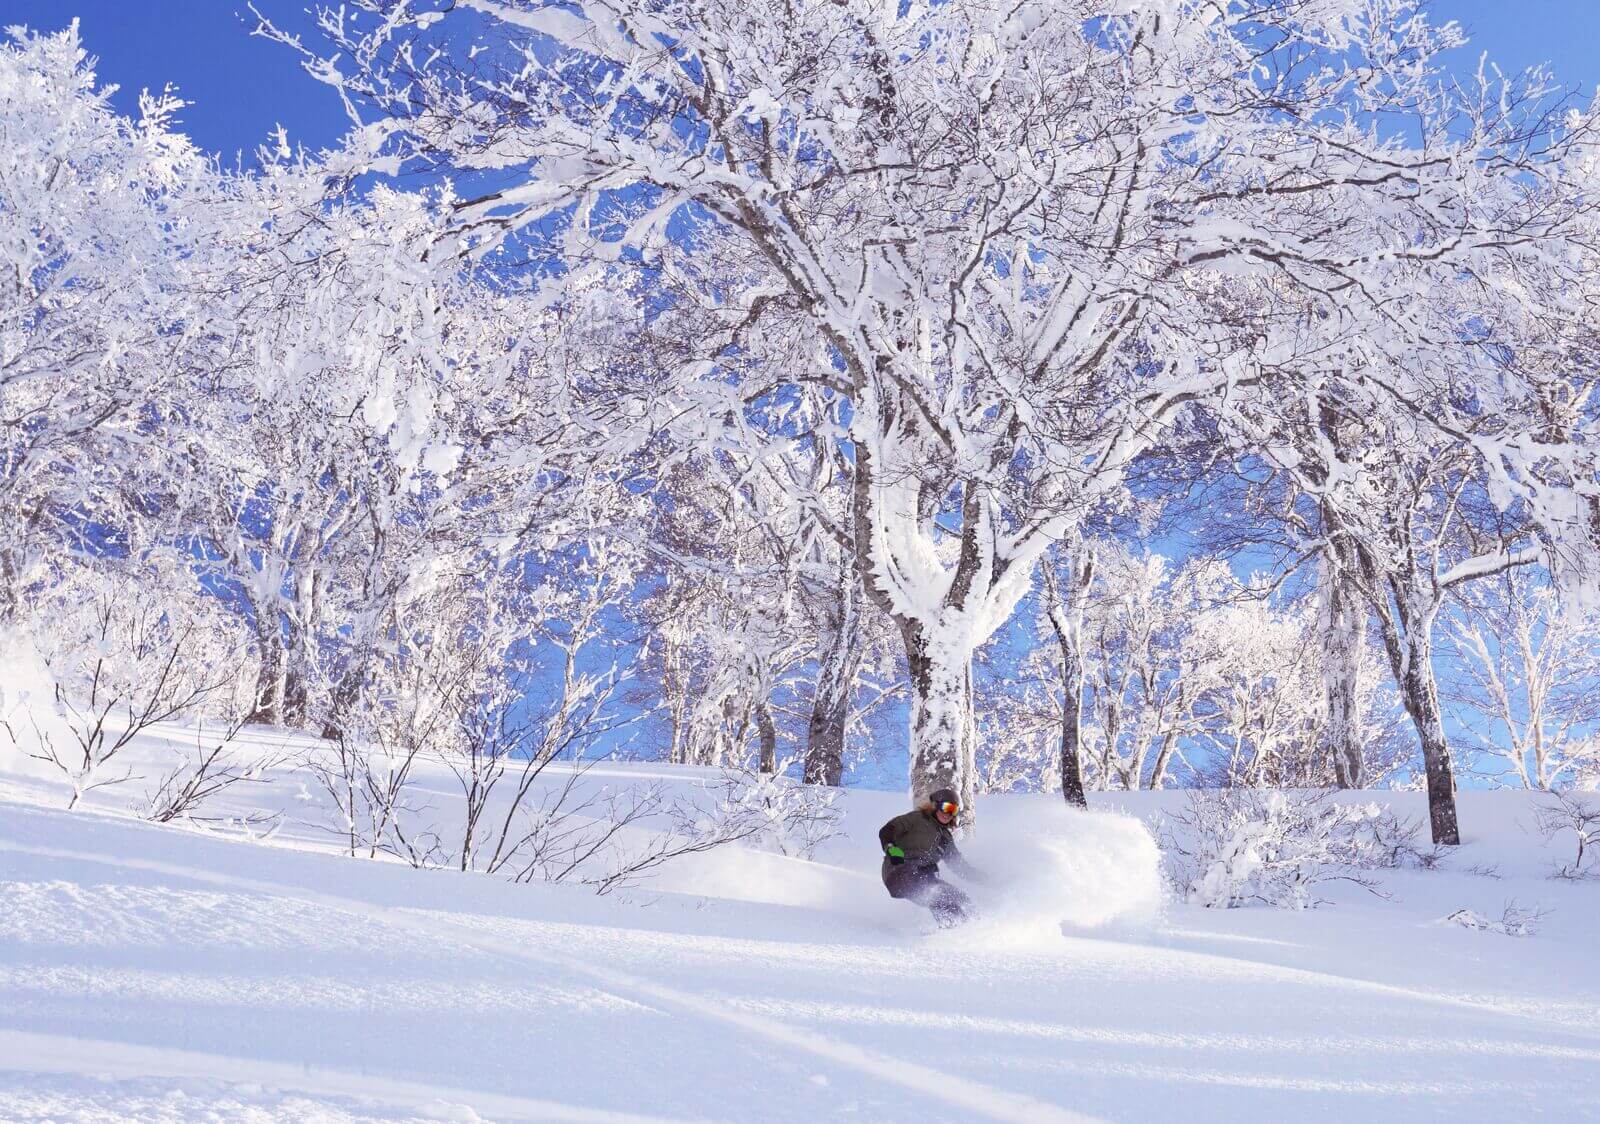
(1051, 870)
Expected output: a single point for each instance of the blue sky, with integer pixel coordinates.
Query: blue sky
(241, 87)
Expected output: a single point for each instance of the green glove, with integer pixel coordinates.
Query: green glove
(896, 855)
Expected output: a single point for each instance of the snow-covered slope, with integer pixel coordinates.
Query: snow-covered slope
(170, 974)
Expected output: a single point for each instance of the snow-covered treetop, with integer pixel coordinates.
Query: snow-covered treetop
(1022, 237)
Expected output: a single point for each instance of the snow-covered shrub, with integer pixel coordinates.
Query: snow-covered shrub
(1232, 847)
(1515, 921)
(666, 828)
(1580, 815)
(214, 764)
(625, 834)
(126, 648)
(366, 772)
(1387, 840)
(780, 815)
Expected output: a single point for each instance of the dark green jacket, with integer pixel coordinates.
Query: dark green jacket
(925, 840)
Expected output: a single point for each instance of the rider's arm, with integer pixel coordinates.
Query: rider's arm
(886, 839)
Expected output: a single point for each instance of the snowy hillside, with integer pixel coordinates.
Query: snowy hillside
(169, 973)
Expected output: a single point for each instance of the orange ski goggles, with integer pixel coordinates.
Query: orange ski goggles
(947, 808)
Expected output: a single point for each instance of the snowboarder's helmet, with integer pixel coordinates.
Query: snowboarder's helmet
(945, 800)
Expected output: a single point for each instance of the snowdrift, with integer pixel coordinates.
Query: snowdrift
(181, 972)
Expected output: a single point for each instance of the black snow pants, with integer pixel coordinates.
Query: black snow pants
(923, 885)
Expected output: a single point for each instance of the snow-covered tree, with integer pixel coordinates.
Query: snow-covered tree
(1149, 665)
(1167, 666)
(727, 632)
(96, 328)
(1266, 715)
(1024, 241)
(1526, 680)
(1408, 512)
(306, 465)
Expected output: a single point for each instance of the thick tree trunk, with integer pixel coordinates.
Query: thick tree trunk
(301, 665)
(825, 739)
(14, 560)
(942, 750)
(296, 697)
(268, 709)
(836, 681)
(1344, 629)
(12, 566)
(10, 591)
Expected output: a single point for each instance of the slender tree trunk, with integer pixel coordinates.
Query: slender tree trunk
(836, 680)
(1066, 620)
(1408, 641)
(768, 735)
(1158, 772)
(1420, 691)
(1344, 629)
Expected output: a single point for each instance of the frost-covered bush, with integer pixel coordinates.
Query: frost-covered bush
(751, 809)
(1515, 921)
(1233, 847)
(213, 762)
(780, 815)
(1579, 815)
(125, 648)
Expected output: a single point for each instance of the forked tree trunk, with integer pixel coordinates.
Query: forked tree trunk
(1169, 745)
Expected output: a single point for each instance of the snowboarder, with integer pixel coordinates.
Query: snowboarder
(913, 847)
